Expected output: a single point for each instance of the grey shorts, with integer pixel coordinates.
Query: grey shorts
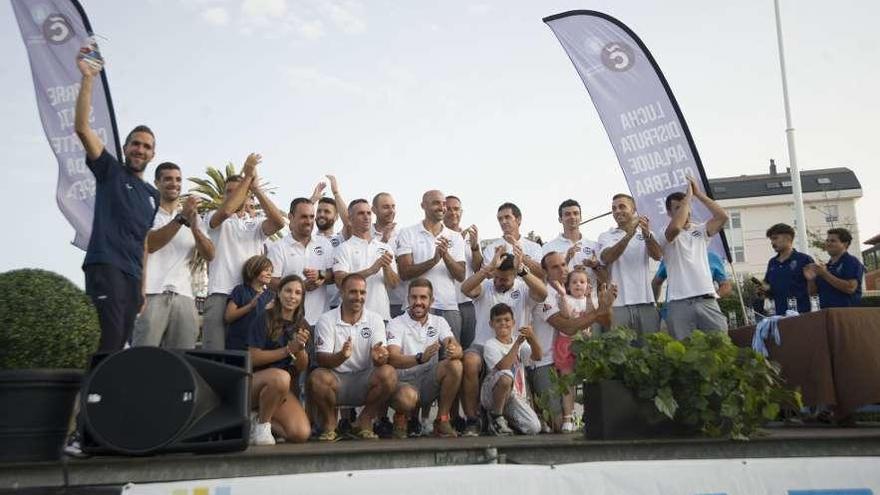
(423, 379)
(169, 320)
(545, 391)
(643, 318)
(352, 387)
(694, 313)
(213, 324)
(453, 317)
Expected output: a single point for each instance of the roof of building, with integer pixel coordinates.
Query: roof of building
(749, 186)
(873, 241)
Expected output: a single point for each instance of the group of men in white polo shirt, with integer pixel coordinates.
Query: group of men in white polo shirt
(400, 316)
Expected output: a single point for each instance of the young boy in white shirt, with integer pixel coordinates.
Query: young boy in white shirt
(504, 392)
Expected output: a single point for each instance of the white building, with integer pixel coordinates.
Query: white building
(755, 202)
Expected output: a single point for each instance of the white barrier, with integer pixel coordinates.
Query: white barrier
(785, 476)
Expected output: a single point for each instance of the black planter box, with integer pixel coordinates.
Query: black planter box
(614, 412)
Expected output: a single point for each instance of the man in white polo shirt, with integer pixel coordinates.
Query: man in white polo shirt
(577, 249)
(415, 339)
(353, 360)
(431, 250)
(237, 235)
(473, 261)
(369, 257)
(628, 250)
(505, 278)
(306, 255)
(510, 219)
(690, 291)
(169, 316)
(385, 229)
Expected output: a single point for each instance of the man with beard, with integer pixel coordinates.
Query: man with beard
(784, 277)
(504, 279)
(326, 212)
(237, 234)
(169, 317)
(510, 219)
(353, 360)
(303, 254)
(628, 250)
(369, 257)
(414, 343)
(385, 229)
(124, 209)
(428, 249)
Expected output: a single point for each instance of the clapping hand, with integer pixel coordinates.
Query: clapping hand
(379, 354)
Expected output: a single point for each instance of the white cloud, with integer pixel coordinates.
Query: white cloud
(216, 16)
(310, 30)
(264, 10)
(479, 8)
(311, 79)
(346, 16)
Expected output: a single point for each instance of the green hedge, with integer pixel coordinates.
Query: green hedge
(45, 321)
(870, 302)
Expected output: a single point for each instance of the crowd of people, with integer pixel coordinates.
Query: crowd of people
(344, 326)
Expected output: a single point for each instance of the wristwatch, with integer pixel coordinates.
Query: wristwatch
(419, 358)
(181, 220)
(524, 271)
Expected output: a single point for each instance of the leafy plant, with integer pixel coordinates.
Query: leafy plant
(47, 321)
(704, 382)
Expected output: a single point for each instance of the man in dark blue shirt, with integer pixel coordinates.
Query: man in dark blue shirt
(838, 282)
(785, 271)
(124, 209)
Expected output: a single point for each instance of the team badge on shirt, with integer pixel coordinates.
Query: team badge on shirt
(389, 336)
(432, 332)
(792, 265)
(319, 250)
(366, 332)
(319, 341)
(696, 233)
(334, 242)
(514, 294)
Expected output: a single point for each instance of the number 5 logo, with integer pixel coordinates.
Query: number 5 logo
(618, 56)
(57, 29)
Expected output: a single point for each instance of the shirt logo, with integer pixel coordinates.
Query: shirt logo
(366, 332)
(792, 265)
(696, 233)
(319, 250)
(432, 332)
(389, 336)
(640, 236)
(319, 341)
(128, 186)
(334, 242)
(515, 295)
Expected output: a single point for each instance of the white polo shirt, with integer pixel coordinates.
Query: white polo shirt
(421, 243)
(397, 295)
(588, 248)
(632, 270)
(530, 248)
(544, 331)
(235, 240)
(291, 257)
(333, 289)
(357, 254)
(518, 298)
(413, 337)
(169, 266)
(687, 263)
(331, 333)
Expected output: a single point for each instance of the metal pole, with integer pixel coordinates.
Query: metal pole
(595, 218)
(797, 192)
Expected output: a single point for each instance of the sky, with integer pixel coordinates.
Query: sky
(477, 99)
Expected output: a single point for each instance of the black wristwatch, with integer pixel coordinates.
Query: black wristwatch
(524, 271)
(181, 220)
(419, 358)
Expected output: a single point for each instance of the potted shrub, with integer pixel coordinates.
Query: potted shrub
(701, 385)
(49, 330)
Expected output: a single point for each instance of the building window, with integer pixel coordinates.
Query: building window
(772, 185)
(823, 180)
(739, 254)
(831, 214)
(735, 220)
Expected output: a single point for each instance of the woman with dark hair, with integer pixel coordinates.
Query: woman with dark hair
(247, 301)
(277, 346)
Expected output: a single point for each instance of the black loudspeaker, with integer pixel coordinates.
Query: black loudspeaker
(147, 400)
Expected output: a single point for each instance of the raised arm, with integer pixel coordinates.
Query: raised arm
(89, 138)
(341, 207)
(233, 202)
(679, 219)
(274, 219)
(719, 216)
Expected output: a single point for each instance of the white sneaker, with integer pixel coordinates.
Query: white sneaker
(427, 427)
(261, 434)
(568, 427)
(545, 428)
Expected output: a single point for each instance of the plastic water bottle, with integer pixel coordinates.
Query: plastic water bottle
(750, 316)
(770, 307)
(814, 303)
(792, 304)
(732, 321)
